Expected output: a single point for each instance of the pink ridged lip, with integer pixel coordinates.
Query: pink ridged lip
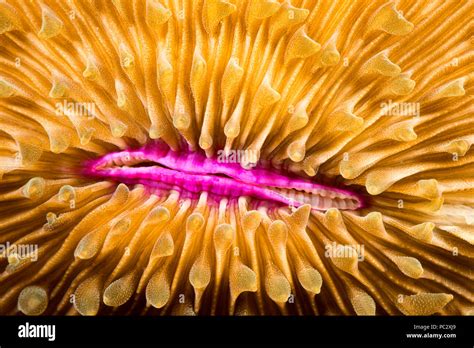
(156, 165)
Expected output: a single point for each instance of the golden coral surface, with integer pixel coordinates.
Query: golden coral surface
(374, 94)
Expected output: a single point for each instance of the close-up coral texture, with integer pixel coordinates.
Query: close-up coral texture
(231, 157)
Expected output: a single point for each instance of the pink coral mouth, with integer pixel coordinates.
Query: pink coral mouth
(156, 165)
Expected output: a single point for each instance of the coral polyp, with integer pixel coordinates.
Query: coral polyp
(191, 172)
(223, 157)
